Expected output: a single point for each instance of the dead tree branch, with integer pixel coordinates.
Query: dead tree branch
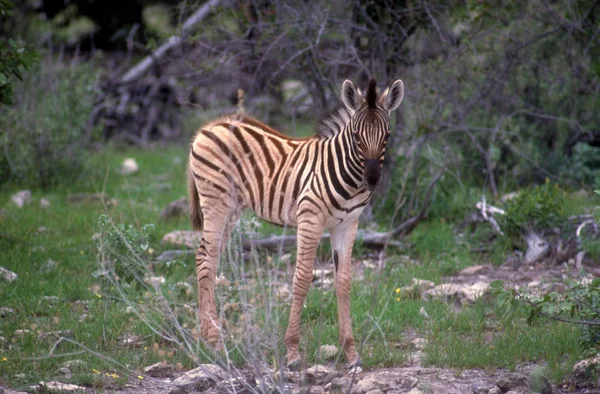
(173, 42)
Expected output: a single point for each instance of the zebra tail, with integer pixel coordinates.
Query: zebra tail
(194, 199)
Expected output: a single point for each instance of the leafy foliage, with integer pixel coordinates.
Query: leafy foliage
(122, 250)
(44, 137)
(538, 208)
(14, 58)
(579, 305)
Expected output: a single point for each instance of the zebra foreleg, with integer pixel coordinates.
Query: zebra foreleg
(309, 234)
(342, 241)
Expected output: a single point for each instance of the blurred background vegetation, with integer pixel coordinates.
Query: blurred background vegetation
(511, 91)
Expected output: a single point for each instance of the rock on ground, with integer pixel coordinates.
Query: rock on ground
(453, 292)
(58, 387)
(189, 239)
(160, 370)
(21, 198)
(200, 379)
(7, 275)
(327, 352)
(129, 166)
(178, 208)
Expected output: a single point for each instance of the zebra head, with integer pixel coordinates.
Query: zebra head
(370, 124)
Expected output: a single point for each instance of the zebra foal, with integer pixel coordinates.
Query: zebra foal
(316, 183)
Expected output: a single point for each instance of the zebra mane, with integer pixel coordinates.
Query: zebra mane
(334, 123)
(371, 95)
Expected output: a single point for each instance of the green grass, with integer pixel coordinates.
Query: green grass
(381, 319)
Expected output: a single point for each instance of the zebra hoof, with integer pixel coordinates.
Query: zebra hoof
(357, 363)
(294, 365)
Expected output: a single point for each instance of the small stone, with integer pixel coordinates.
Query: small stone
(129, 167)
(60, 387)
(415, 390)
(341, 384)
(21, 198)
(419, 343)
(42, 229)
(65, 371)
(481, 388)
(19, 376)
(200, 379)
(51, 299)
(4, 311)
(7, 275)
(476, 270)
(376, 391)
(320, 374)
(55, 334)
(327, 352)
(495, 390)
(22, 333)
(44, 203)
(357, 369)
(178, 208)
(49, 266)
(155, 280)
(160, 370)
(75, 365)
(129, 340)
(424, 313)
(189, 239)
(511, 381)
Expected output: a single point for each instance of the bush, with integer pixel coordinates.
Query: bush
(14, 58)
(537, 209)
(43, 138)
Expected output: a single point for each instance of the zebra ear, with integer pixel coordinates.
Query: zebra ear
(350, 95)
(392, 97)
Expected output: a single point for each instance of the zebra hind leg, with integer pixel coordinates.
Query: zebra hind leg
(214, 240)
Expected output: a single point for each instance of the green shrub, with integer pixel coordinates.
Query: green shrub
(43, 138)
(14, 58)
(584, 166)
(537, 209)
(122, 250)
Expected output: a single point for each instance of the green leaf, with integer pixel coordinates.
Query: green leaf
(3, 79)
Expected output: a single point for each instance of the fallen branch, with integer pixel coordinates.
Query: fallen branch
(173, 42)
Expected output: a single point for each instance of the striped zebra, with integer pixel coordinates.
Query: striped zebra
(315, 184)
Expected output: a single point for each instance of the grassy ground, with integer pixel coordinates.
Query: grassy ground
(474, 337)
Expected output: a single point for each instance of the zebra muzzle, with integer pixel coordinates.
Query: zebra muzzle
(372, 174)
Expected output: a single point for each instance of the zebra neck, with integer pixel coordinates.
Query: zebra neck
(343, 150)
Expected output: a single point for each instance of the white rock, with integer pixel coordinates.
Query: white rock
(21, 198)
(465, 294)
(327, 352)
(160, 370)
(22, 333)
(476, 270)
(155, 280)
(129, 166)
(4, 311)
(61, 387)
(202, 378)
(318, 374)
(7, 275)
(189, 239)
(44, 203)
(49, 266)
(419, 343)
(424, 313)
